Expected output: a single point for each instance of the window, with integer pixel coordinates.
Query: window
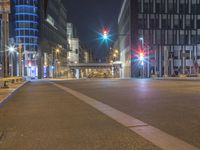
(170, 6)
(146, 8)
(158, 36)
(158, 5)
(198, 23)
(170, 37)
(176, 22)
(164, 23)
(187, 22)
(182, 37)
(193, 39)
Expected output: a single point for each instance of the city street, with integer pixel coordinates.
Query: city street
(90, 75)
(41, 115)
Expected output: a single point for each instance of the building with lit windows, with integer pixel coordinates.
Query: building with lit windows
(26, 15)
(167, 30)
(73, 54)
(53, 38)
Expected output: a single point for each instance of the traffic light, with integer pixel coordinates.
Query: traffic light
(141, 58)
(105, 34)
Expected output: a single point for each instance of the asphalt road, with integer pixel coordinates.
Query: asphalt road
(171, 106)
(41, 116)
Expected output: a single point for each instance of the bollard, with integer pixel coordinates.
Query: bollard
(13, 81)
(5, 85)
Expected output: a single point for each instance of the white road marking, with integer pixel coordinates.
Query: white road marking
(154, 135)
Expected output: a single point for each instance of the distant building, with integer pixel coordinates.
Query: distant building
(53, 38)
(85, 54)
(168, 32)
(74, 47)
(26, 33)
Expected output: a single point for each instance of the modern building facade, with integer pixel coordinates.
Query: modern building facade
(53, 39)
(168, 31)
(26, 26)
(74, 47)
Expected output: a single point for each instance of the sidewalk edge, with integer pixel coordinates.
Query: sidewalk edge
(6, 98)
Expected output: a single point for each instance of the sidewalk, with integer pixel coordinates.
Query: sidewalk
(5, 93)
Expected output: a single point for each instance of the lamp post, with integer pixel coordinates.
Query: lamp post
(12, 50)
(5, 33)
(55, 61)
(4, 11)
(20, 59)
(146, 50)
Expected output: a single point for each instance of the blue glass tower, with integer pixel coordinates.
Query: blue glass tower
(27, 33)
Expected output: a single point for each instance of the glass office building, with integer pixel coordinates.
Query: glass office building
(169, 30)
(26, 14)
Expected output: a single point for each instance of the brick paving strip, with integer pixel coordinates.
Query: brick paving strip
(150, 133)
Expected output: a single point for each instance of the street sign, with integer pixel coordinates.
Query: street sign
(4, 6)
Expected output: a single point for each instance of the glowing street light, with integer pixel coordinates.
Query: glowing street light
(114, 55)
(117, 51)
(57, 50)
(11, 49)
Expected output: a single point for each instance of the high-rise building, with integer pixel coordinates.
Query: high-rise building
(26, 15)
(167, 30)
(53, 39)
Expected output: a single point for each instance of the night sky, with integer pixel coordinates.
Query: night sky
(89, 17)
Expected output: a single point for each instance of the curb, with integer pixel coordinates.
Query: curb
(178, 79)
(5, 99)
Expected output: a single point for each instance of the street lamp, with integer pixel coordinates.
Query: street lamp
(55, 52)
(114, 55)
(116, 51)
(11, 49)
(145, 49)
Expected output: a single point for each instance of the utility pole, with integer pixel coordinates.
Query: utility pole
(5, 10)
(5, 19)
(20, 60)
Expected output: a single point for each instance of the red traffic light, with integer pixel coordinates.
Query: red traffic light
(141, 56)
(105, 34)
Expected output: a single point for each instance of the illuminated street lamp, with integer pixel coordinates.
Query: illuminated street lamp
(57, 50)
(11, 49)
(146, 49)
(116, 51)
(55, 61)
